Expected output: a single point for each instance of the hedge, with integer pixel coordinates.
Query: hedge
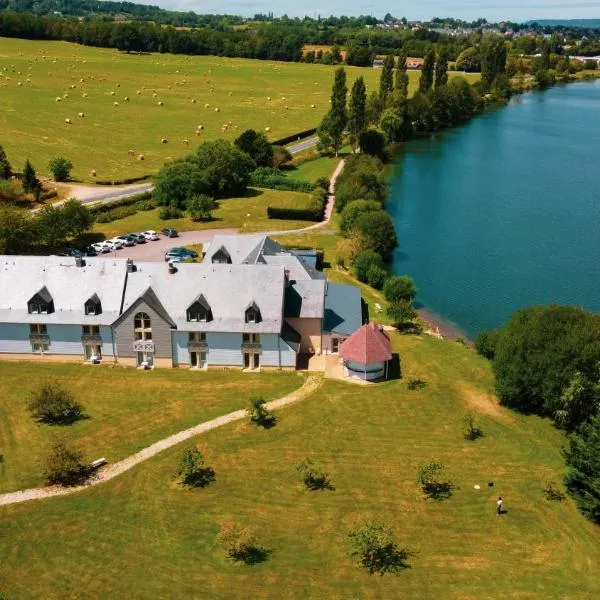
(294, 137)
(123, 181)
(315, 212)
(108, 206)
(266, 177)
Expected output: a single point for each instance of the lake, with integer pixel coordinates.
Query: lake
(504, 212)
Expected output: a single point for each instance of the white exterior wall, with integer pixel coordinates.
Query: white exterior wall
(366, 372)
(327, 337)
(64, 339)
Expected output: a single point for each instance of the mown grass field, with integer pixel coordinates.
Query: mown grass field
(32, 123)
(141, 536)
(128, 409)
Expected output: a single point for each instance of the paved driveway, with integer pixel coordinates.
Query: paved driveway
(155, 251)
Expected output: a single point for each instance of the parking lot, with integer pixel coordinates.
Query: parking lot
(155, 251)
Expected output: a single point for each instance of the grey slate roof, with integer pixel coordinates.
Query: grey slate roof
(70, 286)
(243, 249)
(343, 309)
(228, 289)
(305, 299)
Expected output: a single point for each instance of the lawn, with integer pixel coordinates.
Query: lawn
(33, 124)
(128, 409)
(248, 214)
(313, 169)
(141, 536)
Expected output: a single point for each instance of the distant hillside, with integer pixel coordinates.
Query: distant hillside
(580, 23)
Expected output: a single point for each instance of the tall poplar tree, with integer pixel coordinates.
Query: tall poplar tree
(30, 181)
(331, 131)
(493, 59)
(5, 169)
(427, 72)
(401, 85)
(386, 81)
(357, 117)
(441, 68)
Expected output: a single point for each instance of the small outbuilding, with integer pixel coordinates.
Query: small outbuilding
(366, 353)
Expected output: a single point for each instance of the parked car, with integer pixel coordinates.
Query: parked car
(74, 252)
(138, 237)
(151, 235)
(101, 247)
(128, 240)
(181, 253)
(170, 232)
(91, 251)
(115, 243)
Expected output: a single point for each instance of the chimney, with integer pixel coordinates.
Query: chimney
(79, 261)
(130, 266)
(172, 268)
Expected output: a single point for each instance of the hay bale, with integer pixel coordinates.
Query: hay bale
(68, 121)
(160, 103)
(269, 98)
(126, 98)
(19, 83)
(267, 129)
(154, 95)
(140, 157)
(65, 96)
(139, 93)
(186, 142)
(58, 99)
(163, 140)
(200, 127)
(84, 95)
(93, 173)
(312, 106)
(217, 109)
(207, 105)
(115, 104)
(80, 115)
(193, 100)
(112, 93)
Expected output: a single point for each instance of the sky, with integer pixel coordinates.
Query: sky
(492, 10)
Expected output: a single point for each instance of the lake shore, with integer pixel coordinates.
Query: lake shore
(442, 328)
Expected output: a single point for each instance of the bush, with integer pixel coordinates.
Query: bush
(353, 210)
(200, 207)
(281, 156)
(64, 466)
(471, 429)
(486, 342)
(313, 475)
(191, 469)
(268, 177)
(361, 179)
(257, 146)
(169, 212)
(429, 478)
(376, 276)
(552, 492)
(130, 200)
(364, 261)
(116, 214)
(259, 415)
(372, 142)
(378, 228)
(401, 312)
(400, 287)
(374, 545)
(315, 212)
(323, 183)
(60, 168)
(54, 404)
(240, 543)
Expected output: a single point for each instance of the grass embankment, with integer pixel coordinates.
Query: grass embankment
(128, 409)
(33, 123)
(104, 543)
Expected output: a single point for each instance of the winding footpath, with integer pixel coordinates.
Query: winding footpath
(309, 387)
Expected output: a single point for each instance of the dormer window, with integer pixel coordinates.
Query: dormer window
(93, 306)
(41, 303)
(221, 257)
(253, 314)
(199, 311)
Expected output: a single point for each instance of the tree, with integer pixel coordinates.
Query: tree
(539, 353)
(583, 477)
(353, 210)
(75, 217)
(331, 131)
(259, 415)
(386, 79)
(31, 184)
(393, 125)
(493, 60)
(402, 80)
(60, 168)
(376, 276)
(364, 261)
(191, 469)
(579, 402)
(5, 168)
(427, 72)
(400, 287)
(486, 342)
(401, 312)
(372, 142)
(313, 475)
(374, 108)
(377, 551)
(240, 543)
(200, 206)
(175, 184)
(52, 403)
(281, 156)
(471, 428)
(17, 230)
(378, 227)
(468, 61)
(257, 146)
(420, 113)
(357, 119)
(55, 224)
(65, 466)
(429, 477)
(441, 68)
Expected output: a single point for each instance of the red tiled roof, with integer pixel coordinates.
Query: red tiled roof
(367, 345)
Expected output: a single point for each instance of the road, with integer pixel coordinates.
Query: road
(306, 144)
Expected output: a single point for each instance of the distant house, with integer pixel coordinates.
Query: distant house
(378, 63)
(366, 353)
(251, 304)
(414, 63)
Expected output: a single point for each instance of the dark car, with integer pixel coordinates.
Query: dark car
(170, 232)
(139, 238)
(90, 251)
(180, 253)
(74, 252)
(128, 240)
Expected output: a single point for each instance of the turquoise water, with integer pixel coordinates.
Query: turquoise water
(504, 212)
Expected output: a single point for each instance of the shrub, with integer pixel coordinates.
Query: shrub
(471, 429)
(398, 288)
(281, 156)
(10, 191)
(191, 469)
(169, 212)
(268, 177)
(486, 341)
(176, 183)
(200, 207)
(376, 276)
(378, 228)
(257, 146)
(240, 543)
(60, 168)
(374, 546)
(353, 210)
(130, 200)
(401, 312)
(552, 492)
(429, 478)
(323, 183)
(64, 466)
(116, 214)
(54, 404)
(372, 142)
(361, 179)
(364, 261)
(313, 475)
(259, 415)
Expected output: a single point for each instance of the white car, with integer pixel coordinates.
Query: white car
(150, 235)
(101, 247)
(115, 243)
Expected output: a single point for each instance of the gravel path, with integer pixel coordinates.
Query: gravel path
(311, 385)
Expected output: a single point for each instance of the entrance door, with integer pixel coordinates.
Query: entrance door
(255, 360)
(247, 360)
(144, 359)
(92, 351)
(335, 345)
(251, 360)
(197, 360)
(193, 359)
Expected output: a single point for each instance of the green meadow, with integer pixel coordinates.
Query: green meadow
(111, 140)
(143, 536)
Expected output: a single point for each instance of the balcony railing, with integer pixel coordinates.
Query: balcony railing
(251, 347)
(143, 346)
(198, 346)
(39, 338)
(91, 338)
